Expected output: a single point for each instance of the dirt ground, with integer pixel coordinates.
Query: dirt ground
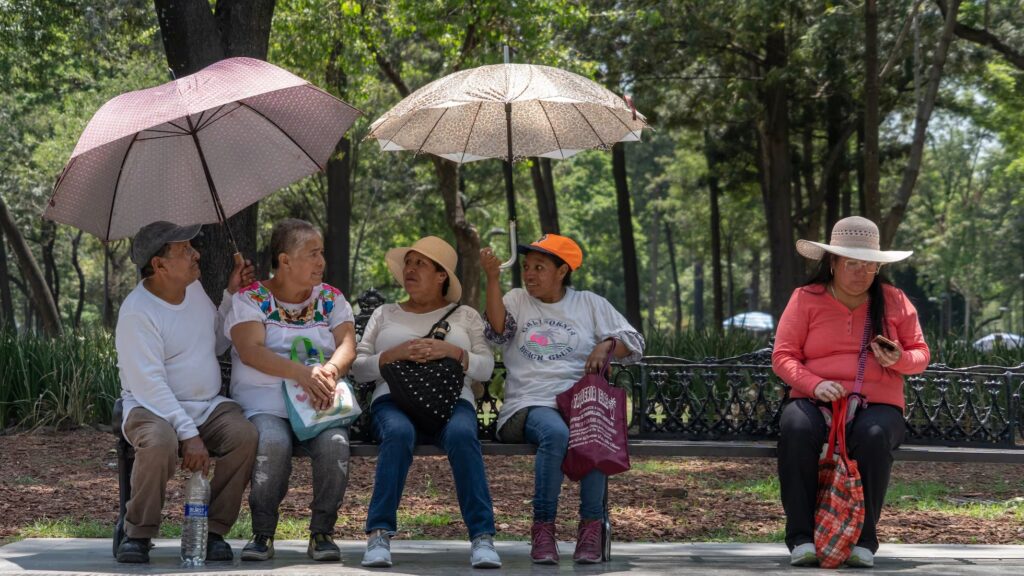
(50, 475)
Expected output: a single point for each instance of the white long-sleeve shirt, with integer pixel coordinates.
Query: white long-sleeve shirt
(390, 326)
(167, 356)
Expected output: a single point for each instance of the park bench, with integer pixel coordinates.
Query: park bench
(729, 408)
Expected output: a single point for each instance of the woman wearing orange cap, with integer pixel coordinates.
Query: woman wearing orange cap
(550, 335)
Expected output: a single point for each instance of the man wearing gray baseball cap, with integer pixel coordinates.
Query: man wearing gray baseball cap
(168, 337)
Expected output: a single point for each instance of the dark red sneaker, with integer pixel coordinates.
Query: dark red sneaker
(588, 543)
(543, 547)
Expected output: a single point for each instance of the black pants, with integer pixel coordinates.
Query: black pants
(877, 430)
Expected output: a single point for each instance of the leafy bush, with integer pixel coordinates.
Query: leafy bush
(67, 381)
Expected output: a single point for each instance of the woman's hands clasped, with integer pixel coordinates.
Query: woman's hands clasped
(319, 383)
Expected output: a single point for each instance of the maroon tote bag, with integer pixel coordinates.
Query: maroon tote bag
(596, 414)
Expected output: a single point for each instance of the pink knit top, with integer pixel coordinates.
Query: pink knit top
(818, 338)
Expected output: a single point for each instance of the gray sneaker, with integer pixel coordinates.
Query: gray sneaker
(860, 558)
(804, 555)
(482, 553)
(378, 550)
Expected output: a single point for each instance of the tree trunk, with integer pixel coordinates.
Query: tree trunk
(631, 276)
(39, 292)
(194, 37)
(815, 198)
(652, 266)
(467, 239)
(834, 105)
(339, 216)
(108, 301)
(50, 272)
(76, 242)
(924, 112)
(543, 187)
(711, 156)
(6, 298)
(677, 298)
(698, 294)
(776, 165)
(729, 283)
(754, 298)
(872, 208)
(861, 173)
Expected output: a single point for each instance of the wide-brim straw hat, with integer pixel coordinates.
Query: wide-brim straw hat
(437, 250)
(854, 237)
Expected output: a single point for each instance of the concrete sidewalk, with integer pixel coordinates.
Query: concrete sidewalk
(93, 557)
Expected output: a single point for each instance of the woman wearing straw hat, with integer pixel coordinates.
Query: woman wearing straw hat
(396, 332)
(551, 334)
(846, 315)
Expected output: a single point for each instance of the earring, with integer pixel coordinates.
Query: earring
(831, 271)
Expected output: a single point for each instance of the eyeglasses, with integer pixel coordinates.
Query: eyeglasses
(187, 252)
(857, 266)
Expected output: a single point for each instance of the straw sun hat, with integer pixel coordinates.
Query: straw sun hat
(437, 250)
(854, 237)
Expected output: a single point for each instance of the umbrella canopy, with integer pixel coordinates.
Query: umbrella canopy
(508, 111)
(197, 149)
(554, 114)
(755, 321)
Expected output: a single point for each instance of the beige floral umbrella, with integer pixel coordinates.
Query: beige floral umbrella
(508, 111)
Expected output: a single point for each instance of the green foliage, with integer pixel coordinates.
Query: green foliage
(67, 381)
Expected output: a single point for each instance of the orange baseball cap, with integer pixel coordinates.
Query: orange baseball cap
(559, 246)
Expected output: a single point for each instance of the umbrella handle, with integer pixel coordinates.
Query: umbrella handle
(512, 246)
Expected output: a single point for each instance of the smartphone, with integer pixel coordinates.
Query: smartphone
(885, 343)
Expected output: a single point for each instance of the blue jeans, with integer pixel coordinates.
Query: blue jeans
(397, 437)
(546, 429)
(329, 452)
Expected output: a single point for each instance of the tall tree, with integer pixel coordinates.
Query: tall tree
(194, 37)
(924, 113)
(872, 198)
(38, 291)
(630, 270)
(544, 188)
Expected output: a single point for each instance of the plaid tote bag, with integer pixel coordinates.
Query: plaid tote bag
(839, 516)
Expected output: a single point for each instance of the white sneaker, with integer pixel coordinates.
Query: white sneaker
(803, 555)
(482, 553)
(378, 550)
(860, 558)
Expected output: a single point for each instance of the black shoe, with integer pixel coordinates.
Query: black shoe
(133, 551)
(322, 547)
(217, 549)
(261, 547)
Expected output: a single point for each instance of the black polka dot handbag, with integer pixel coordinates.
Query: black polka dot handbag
(427, 391)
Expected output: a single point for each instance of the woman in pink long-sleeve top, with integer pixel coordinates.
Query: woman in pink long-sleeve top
(845, 311)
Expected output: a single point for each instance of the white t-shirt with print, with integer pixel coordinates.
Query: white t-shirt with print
(314, 318)
(548, 351)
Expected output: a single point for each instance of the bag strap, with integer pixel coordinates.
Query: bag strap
(608, 359)
(309, 347)
(430, 332)
(862, 360)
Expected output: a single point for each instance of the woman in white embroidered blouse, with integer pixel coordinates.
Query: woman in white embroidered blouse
(267, 317)
(395, 332)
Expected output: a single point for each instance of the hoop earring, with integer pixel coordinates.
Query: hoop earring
(831, 271)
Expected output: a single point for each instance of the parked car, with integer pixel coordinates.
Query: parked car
(753, 321)
(999, 339)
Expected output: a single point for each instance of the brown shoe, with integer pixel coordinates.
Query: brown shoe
(543, 547)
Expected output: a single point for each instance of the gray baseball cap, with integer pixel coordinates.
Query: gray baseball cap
(151, 238)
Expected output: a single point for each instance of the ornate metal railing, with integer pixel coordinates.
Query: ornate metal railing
(740, 398)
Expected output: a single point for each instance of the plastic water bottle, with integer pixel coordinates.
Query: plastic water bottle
(194, 531)
(312, 357)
